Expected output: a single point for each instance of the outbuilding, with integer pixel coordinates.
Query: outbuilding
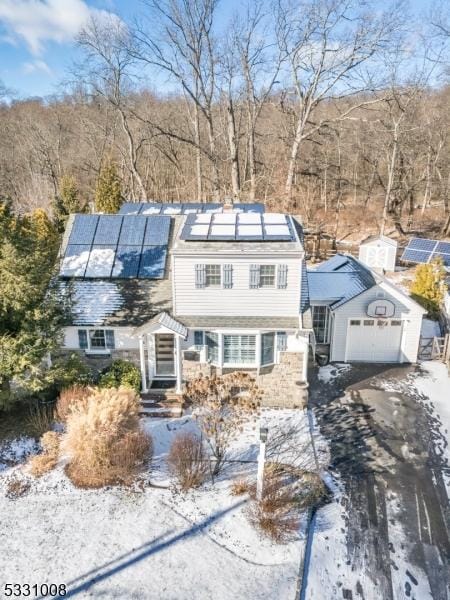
(360, 316)
(378, 252)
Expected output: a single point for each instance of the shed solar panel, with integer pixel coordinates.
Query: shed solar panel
(130, 208)
(132, 232)
(157, 231)
(418, 256)
(127, 261)
(443, 247)
(83, 229)
(424, 251)
(108, 229)
(150, 208)
(153, 262)
(421, 244)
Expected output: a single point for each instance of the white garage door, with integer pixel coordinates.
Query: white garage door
(374, 340)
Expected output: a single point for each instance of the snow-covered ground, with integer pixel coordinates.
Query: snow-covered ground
(146, 543)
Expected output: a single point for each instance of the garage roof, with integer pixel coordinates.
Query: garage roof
(338, 280)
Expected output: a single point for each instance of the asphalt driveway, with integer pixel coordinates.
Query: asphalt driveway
(382, 450)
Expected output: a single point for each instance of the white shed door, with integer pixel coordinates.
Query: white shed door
(374, 340)
(377, 256)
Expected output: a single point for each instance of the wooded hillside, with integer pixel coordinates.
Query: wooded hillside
(326, 108)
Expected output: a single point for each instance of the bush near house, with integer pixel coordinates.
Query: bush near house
(103, 439)
(222, 404)
(69, 398)
(121, 373)
(188, 461)
(428, 287)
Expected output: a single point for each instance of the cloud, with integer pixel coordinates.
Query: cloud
(40, 21)
(35, 66)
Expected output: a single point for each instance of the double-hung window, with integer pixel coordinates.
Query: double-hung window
(96, 340)
(212, 343)
(267, 276)
(213, 277)
(239, 349)
(267, 348)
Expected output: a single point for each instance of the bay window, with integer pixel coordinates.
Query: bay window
(239, 349)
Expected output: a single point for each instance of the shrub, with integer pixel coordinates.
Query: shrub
(188, 461)
(104, 441)
(428, 287)
(121, 373)
(70, 397)
(241, 487)
(72, 370)
(286, 492)
(40, 419)
(15, 487)
(42, 463)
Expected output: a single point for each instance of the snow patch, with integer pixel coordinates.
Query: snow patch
(330, 372)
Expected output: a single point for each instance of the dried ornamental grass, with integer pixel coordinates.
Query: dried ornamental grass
(69, 398)
(104, 442)
(45, 462)
(187, 460)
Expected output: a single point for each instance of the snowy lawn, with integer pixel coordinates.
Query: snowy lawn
(150, 542)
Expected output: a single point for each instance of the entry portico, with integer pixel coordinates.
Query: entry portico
(160, 350)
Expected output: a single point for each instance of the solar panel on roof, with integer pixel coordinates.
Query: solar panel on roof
(249, 208)
(101, 260)
(127, 260)
(192, 207)
(83, 229)
(153, 262)
(75, 260)
(212, 208)
(108, 229)
(172, 209)
(132, 232)
(157, 231)
(150, 208)
(130, 208)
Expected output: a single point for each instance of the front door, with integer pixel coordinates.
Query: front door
(165, 354)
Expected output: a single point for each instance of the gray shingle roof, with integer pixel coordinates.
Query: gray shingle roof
(338, 280)
(121, 303)
(279, 323)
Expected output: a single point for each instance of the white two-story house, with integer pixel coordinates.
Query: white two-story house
(189, 290)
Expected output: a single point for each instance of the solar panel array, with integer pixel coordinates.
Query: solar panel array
(118, 246)
(424, 251)
(183, 208)
(248, 227)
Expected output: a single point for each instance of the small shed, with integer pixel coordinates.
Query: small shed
(378, 252)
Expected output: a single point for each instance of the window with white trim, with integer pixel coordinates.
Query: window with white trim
(212, 343)
(320, 318)
(355, 322)
(267, 348)
(213, 276)
(239, 349)
(96, 340)
(266, 276)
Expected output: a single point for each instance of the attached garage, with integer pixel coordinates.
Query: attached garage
(360, 316)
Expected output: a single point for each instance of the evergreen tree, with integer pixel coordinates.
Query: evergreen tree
(428, 287)
(31, 313)
(67, 202)
(108, 193)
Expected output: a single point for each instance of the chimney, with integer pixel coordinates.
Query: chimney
(228, 206)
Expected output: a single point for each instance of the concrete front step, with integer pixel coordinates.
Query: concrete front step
(161, 410)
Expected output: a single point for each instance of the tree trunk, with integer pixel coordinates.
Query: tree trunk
(198, 154)
(234, 154)
(132, 155)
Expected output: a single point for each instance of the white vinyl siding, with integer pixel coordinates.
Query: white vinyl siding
(240, 299)
(405, 310)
